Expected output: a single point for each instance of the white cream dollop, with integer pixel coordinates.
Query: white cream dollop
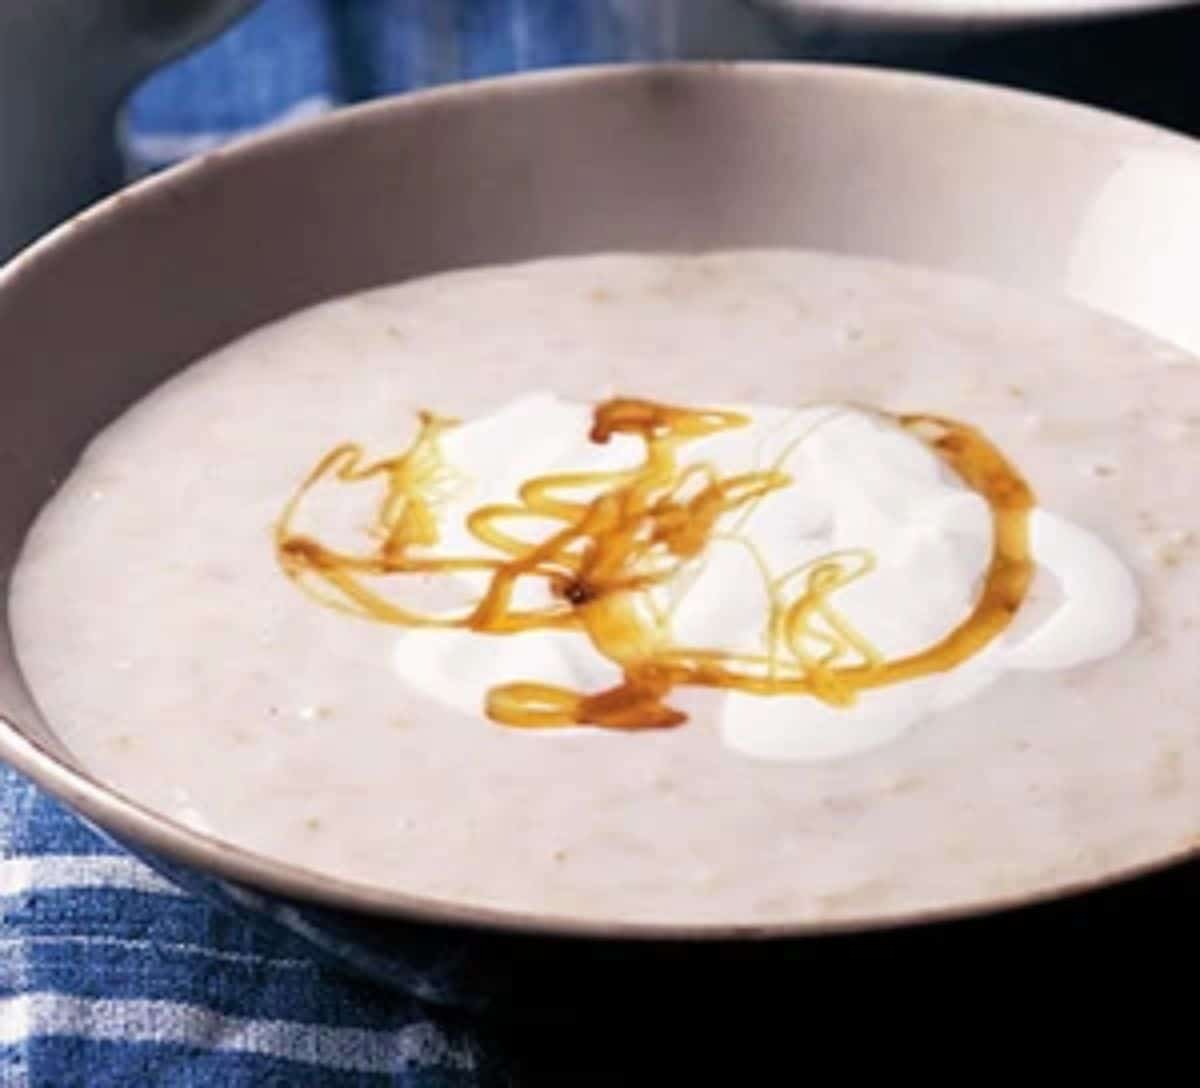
(859, 482)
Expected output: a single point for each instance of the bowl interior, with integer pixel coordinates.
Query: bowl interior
(1021, 190)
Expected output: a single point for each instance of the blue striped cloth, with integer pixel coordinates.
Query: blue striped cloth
(290, 59)
(109, 976)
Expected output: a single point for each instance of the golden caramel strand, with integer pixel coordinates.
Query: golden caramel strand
(643, 530)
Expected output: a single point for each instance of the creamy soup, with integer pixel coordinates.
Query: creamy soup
(742, 587)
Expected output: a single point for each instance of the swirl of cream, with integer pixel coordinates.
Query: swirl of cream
(859, 481)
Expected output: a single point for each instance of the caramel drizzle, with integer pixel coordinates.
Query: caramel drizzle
(643, 532)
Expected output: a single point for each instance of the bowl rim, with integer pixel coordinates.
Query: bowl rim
(949, 16)
(126, 818)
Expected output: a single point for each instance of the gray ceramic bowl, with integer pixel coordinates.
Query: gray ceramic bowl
(956, 15)
(959, 177)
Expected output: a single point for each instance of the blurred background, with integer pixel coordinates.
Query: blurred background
(94, 93)
(292, 58)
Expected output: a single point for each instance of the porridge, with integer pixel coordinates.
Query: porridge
(742, 587)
